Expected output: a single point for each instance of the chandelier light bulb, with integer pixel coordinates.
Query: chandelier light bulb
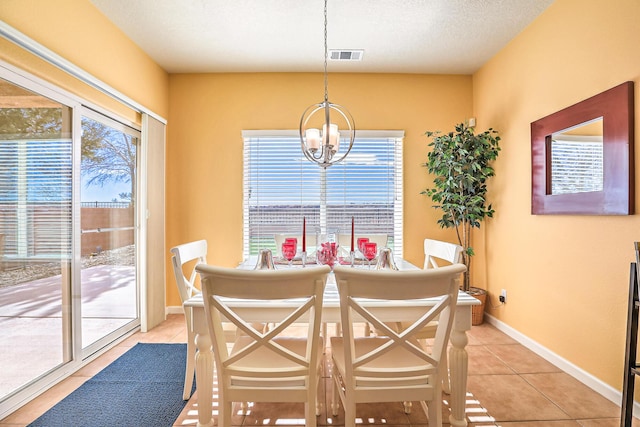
(313, 139)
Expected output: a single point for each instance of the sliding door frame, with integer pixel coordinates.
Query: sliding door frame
(73, 344)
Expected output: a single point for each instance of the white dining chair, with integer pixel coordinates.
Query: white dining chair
(272, 365)
(436, 254)
(184, 260)
(393, 367)
(185, 257)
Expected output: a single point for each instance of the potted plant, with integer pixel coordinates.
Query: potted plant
(461, 164)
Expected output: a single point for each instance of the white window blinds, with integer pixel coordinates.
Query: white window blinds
(281, 187)
(577, 166)
(35, 197)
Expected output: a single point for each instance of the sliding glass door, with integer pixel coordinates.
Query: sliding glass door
(36, 153)
(68, 235)
(108, 227)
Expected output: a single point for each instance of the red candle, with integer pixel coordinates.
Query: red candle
(304, 234)
(352, 234)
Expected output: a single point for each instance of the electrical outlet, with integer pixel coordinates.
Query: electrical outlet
(503, 296)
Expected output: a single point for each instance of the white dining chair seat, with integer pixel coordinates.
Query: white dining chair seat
(388, 367)
(256, 362)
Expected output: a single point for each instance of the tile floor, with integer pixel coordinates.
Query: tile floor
(508, 386)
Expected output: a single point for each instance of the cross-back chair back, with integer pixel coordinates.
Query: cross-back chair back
(393, 367)
(436, 251)
(436, 254)
(189, 253)
(265, 365)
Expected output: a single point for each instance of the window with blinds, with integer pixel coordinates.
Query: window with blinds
(281, 187)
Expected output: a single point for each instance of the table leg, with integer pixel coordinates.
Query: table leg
(204, 379)
(458, 361)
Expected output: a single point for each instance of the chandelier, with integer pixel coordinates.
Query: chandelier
(319, 135)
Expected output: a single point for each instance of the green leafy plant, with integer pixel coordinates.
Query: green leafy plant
(461, 164)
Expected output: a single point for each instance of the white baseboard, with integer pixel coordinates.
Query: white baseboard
(174, 310)
(578, 373)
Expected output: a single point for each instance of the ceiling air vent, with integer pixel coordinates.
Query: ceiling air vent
(346, 55)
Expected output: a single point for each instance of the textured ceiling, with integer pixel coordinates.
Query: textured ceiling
(398, 36)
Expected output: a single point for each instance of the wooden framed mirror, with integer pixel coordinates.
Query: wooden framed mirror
(582, 157)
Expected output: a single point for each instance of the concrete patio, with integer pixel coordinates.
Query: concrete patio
(31, 319)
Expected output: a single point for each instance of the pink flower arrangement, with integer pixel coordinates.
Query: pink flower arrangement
(328, 253)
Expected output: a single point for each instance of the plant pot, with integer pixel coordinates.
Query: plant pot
(477, 311)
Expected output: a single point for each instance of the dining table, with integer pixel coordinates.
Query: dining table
(388, 311)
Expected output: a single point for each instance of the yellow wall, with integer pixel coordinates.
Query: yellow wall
(566, 276)
(209, 111)
(78, 32)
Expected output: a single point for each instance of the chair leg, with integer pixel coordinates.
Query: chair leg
(190, 368)
(435, 414)
(349, 414)
(434, 408)
(311, 409)
(334, 396)
(225, 409)
(310, 415)
(325, 338)
(319, 388)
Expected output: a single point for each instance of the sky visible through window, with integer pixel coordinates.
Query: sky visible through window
(106, 193)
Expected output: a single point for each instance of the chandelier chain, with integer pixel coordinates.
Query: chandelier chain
(326, 78)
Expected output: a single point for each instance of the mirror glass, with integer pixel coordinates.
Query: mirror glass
(577, 164)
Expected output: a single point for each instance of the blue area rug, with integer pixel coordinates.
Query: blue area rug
(143, 387)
